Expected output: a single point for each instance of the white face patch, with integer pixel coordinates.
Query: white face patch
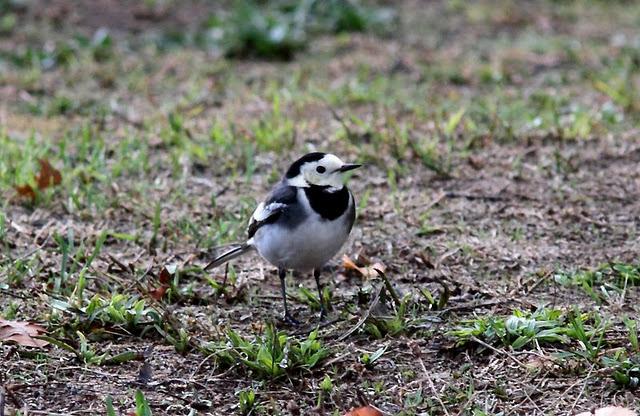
(324, 172)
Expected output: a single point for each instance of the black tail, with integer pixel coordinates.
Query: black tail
(229, 255)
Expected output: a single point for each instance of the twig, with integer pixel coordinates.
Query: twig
(474, 196)
(538, 282)
(435, 392)
(499, 351)
(435, 201)
(565, 392)
(197, 370)
(473, 305)
(584, 386)
(524, 390)
(15, 295)
(445, 256)
(431, 385)
(364, 318)
(308, 330)
(337, 359)
(390, 289)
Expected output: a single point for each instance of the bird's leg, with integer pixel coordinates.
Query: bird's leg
(282, 273)
(323, 311)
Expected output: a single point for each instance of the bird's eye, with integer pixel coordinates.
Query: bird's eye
(321, 169)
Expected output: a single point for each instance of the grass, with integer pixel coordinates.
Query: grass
(517, 330)
(271, 356)
(605, 283)
(167, 133)
(278, 30)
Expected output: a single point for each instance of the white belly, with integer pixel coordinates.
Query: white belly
(308, 246)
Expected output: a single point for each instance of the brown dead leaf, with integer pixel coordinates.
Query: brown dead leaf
(610, 411)
(26, 191)
(364, 411)
(164, 277)
(366, 272)
(47, 177)
(158, 292)
(22, 333)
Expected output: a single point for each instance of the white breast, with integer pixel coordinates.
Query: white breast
(309, 245)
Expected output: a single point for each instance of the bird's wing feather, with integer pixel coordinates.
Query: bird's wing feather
(270, 210)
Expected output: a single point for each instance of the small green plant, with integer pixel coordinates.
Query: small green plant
(436, 303)
(10, 311)
(379, 327)
(272, 131)
(130, 311)
(544, 326)
(247, 399)
(265, 32)
(86, 353)
(621, 90)
(625, 370)
(3, 227)
(277, 30)
(81, 282)
(414, 400)
(102, 45)
(89, 356)
(66, 247)
(603, 282)
(370, 359)
(142, 405)
(311, 299)
(109, 405)
(326, 387)
(271, 355)
(589, 340)
(179, 338)
(632, 327)
(431, 156)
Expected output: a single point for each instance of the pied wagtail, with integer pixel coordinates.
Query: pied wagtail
(303, 222)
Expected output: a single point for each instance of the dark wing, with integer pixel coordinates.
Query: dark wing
(270, 210)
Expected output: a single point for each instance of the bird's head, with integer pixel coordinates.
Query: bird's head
(320, 169)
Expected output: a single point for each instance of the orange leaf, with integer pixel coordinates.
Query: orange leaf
(48, 176)
(348, 263)
(159, 292)
(22, 333)
(364, 411)
(26, 191)
(367, 271)
(164, 277)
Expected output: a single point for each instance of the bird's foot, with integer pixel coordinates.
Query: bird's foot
(323, 313)
(290, 320)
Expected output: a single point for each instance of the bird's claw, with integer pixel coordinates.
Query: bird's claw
(290, 320)
(323, 313)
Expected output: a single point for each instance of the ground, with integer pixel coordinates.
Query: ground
(500, 198)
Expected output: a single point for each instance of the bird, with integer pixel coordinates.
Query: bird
(303, 222)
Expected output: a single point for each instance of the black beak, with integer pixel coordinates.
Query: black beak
(348, 167)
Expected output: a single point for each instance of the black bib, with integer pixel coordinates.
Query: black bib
(330, 205)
